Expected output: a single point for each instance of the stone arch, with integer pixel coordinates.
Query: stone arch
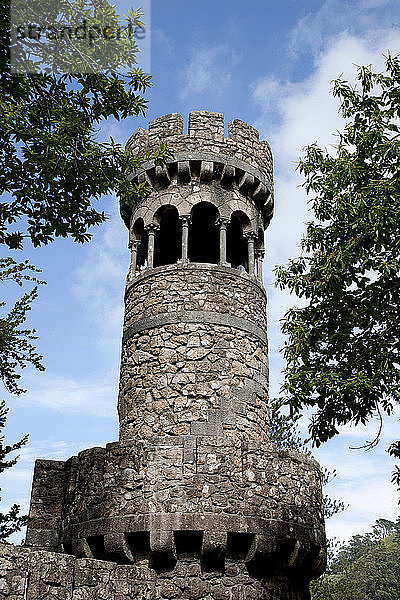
(186, 204)
(243, 219)
(204, 233)
(167, 246)
(137, 229)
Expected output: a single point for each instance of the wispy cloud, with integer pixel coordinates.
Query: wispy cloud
(90, 398)
(209, 72)
(159, 37)
(100, 279)
(366, 18)
(365, 486)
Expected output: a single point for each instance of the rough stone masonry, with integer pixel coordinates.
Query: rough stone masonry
(193, 502)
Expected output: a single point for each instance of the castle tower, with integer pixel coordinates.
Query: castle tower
(193, 502)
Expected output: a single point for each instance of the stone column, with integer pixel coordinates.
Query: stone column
(134, 246)
(250, 236)
(259, 261)
(223, 224)
(150, 250)
(185, 220)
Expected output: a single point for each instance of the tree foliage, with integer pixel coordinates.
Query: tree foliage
(11, 521)
(367, 568)
(342, 350)
(52, 165)
(61, 36)
(16, 348)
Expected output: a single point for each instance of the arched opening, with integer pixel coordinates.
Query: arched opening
(167, 248)
(204, 234)
(236, 243)
(141, 236)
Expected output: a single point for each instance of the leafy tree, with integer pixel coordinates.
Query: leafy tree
(367, 568)
(72, 37)
(342, 352)
(16, 348)
(11, 521)
(52, 166)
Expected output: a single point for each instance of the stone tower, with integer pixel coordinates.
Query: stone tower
(193, 502)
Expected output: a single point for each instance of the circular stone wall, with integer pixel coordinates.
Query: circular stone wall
(194, 354)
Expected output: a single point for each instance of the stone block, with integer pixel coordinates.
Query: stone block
(166, 126)
(204, 124)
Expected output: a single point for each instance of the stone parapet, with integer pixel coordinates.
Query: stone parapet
(206, 134)
(187, 488)
(29, 575)
(239, 162)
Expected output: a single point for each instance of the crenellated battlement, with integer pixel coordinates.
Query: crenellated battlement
(235, 173)
(206, 134)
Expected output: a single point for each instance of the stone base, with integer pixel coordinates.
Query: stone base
(204, 493)
(37, 575)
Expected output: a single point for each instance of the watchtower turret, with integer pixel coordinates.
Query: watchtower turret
(193, 497)
(195, 311)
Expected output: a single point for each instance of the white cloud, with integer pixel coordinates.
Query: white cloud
(209, 70)
(101, 277)
(369, 18)
(369, 494)
(159, 37)
(362, 482)
(390, 430)
(307, 111)
(90, 398)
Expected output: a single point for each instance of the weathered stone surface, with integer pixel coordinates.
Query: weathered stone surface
(196, 382)
(206, 133)
(190, 288)
(33, 575)
(147, 488)
(192, 502)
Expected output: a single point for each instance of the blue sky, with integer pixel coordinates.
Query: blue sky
(267, 63)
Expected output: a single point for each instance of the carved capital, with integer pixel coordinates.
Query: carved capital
(152, 228)
(222, 222)
(185, 220)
